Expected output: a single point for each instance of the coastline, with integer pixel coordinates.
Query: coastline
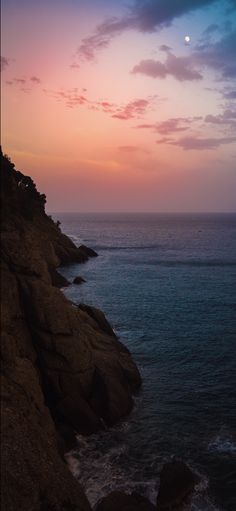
(64, 371)
(135, 281)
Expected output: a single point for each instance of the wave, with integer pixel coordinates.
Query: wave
(165, 262)
(125, 247)
(185, 262)
(98, 468)
(98, 463)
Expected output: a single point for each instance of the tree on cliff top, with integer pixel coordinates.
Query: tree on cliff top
(21, 188)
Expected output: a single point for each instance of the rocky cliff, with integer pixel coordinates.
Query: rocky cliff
(62, 368)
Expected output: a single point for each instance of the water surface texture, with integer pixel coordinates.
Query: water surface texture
(167, 285)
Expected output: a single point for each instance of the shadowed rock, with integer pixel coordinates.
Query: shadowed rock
(119, 501)
(33, 476)
(99, 318)
(78, 280)
(176, 486)
(57, 279)
(89, 252)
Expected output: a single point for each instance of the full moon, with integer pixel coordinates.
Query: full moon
(187, 39)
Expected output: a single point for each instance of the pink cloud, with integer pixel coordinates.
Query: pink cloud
(71, 97)
(180, 68)
(197, 143)
(35, 79)
(171, 125)
(228, 118)
(132, 109)
(20, 81)
(4, 63)
(132, 149)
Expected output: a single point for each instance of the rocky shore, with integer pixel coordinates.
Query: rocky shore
(63, 370)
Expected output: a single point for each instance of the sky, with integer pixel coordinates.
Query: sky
(108, 108)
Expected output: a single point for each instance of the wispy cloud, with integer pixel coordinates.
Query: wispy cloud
(24, 84)
(172, 125)
(4, 63)
(71, 97)
(144, 16)
(227, 118)
(181, 68)
(229, 94)
(20, 81)
(132, 110)
(102, 36)
(211, 29)
(132, 149)
(75, 65)
(35, 79)
(197, 143)
(218, 56)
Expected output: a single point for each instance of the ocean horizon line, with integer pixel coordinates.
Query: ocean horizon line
(142, 212)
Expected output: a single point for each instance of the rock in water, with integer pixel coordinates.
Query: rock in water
(89, 252)
(63, 370)
(119, 501)
(176, 486)
(78, 280)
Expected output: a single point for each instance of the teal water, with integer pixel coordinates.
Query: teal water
(167, 285)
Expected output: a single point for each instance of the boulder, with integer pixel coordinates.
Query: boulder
(176, 486)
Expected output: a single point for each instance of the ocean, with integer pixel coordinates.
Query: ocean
(167, 284)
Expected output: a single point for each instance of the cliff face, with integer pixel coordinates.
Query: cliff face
(63, 369)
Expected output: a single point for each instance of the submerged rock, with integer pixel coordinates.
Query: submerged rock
(63, 370)
(119, 501)
(176, 487)
(78, 280)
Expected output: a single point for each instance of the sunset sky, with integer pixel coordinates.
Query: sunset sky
(108, 108)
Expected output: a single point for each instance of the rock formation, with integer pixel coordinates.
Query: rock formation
(63, 369)
(176, 487)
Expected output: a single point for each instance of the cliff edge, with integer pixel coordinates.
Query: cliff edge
(63, 370)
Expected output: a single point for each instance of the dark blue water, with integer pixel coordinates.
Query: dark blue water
(167, 285)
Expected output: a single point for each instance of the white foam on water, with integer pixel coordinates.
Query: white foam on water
(223, 444)
(199, 504)
(73, 463)
(99, 472)
(96, 465)
(201, 500)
